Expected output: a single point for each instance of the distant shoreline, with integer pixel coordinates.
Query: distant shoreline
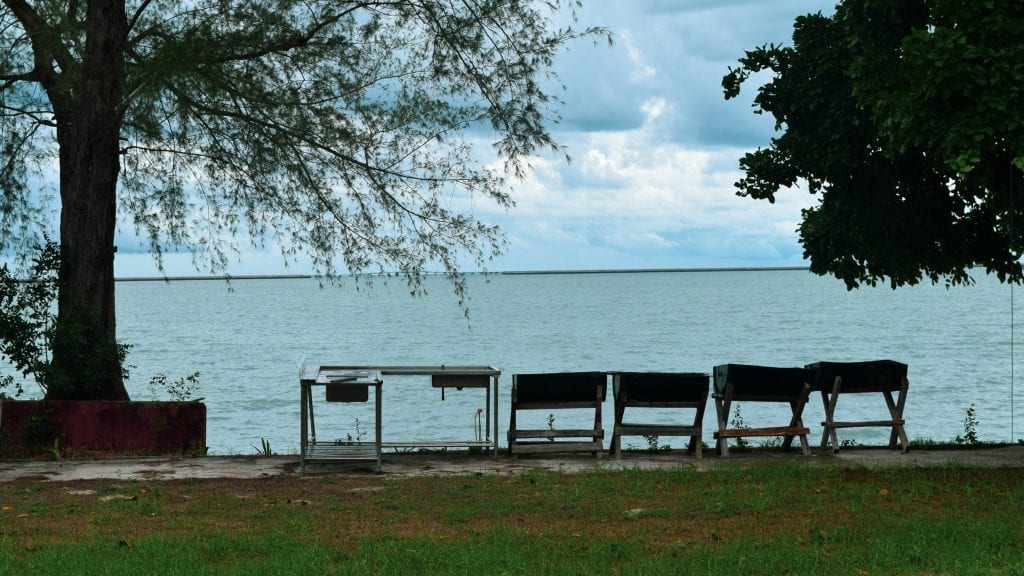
(659, 270)
(501, 273)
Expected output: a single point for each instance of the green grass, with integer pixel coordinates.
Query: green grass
(783, 518)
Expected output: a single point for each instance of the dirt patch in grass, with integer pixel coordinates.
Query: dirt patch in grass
(663, 508)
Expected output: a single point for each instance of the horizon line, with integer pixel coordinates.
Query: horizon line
(485, 273)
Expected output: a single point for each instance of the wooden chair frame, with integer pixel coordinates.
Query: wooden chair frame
(879, 376)
(557, 391)
(795, 393)
(659, 390)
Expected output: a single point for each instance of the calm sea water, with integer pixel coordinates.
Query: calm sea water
(248, 342)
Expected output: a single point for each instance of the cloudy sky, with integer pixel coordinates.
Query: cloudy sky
(655, 150)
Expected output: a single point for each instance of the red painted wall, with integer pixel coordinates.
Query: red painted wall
(30, 428)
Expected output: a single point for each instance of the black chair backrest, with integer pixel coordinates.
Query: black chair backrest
(664, 386)
(560, 387)
(864, 376)
(749, 380)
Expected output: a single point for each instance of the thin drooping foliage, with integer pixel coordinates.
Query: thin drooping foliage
(342, 133)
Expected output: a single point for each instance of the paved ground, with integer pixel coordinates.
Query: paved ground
(442, 464)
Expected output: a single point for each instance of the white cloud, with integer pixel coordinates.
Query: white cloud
(627, 240)
(638, 198)
(653, 108)
(642, 70)
(655, 148)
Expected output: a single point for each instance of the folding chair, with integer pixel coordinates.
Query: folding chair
(745, 383)
(557, 391)
(659, 390)
(884, 376)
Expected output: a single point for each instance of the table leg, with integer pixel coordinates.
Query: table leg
(487, 412)
(378, 388)
(496, 395)
(303, 390)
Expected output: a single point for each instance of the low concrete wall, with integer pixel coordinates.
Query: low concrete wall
(30, 428)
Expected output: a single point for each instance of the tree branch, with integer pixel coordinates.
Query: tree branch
(46, 44)
(282, 45)
(138, 14)
(37, 115)
(10, 79)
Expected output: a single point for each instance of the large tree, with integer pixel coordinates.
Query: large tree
(904, 117)
(338, 129)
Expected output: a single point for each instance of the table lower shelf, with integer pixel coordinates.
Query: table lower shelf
(332, 451)
(367, 451)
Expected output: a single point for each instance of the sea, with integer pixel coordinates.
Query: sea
(248, 338)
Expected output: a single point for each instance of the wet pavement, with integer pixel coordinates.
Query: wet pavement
(459, 463)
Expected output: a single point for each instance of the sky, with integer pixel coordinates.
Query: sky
(655, 150)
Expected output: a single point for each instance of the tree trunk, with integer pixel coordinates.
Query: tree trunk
(87, 360)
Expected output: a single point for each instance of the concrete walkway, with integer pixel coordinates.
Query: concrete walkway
(455, 463)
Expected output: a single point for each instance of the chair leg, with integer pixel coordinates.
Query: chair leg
(830, 431)
(896, 413)
(722, 412)
(900, 405)
(718, 417)
(695, 447)
(616, 443)
(698, 423)
(797, 408)
(598, 429)
(798, 419)
(824, 425)
(787, 439)
(512, 432)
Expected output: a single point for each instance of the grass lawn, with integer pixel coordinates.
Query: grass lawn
(773, 518)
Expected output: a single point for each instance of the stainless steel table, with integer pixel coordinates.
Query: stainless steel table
(341, 385)
(441, 376)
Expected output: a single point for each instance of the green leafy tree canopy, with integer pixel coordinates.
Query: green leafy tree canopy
(903, 116)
